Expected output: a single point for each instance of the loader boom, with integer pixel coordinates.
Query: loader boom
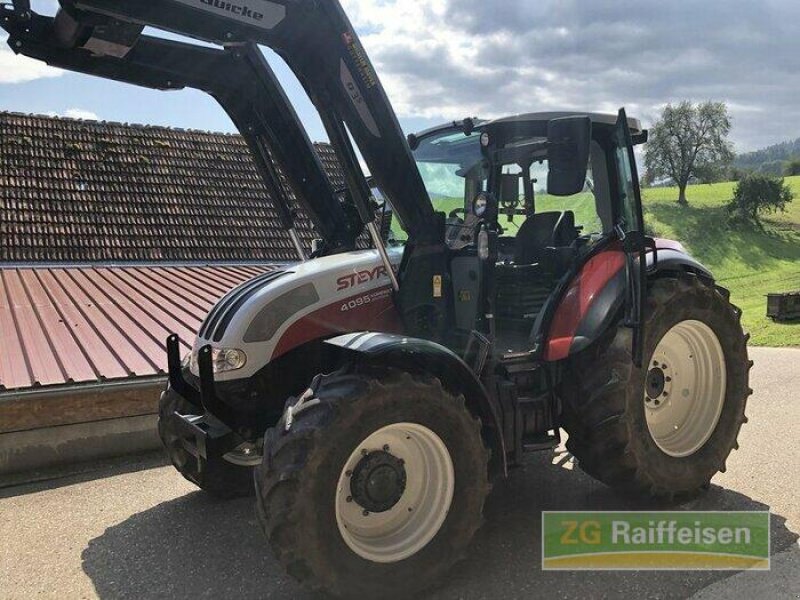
(317, 42)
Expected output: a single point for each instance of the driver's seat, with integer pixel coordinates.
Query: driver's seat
(543, 230)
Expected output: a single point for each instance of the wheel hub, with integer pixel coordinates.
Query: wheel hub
(656, 380)
(378, 481)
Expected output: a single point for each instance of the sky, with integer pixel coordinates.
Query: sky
(441, 60)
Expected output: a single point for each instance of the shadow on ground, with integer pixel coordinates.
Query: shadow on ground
(197, 547)
(32, 482)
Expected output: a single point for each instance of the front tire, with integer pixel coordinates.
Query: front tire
(217, 476)
(666, 429)
(377, 487)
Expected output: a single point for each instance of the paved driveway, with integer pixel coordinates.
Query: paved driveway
(134, 529)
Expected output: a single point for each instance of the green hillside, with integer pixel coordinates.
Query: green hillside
(749, 262)
(772, 159)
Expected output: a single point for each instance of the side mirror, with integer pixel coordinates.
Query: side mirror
(568, 141)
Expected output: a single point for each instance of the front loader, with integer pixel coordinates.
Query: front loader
(372, 393)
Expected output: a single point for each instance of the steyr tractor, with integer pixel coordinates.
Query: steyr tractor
(503, 290)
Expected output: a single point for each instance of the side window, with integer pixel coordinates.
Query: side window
(601, 187)
(629, 203)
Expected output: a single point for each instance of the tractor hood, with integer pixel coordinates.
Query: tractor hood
(281, 310)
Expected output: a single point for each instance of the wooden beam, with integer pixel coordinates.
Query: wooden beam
(78, 404)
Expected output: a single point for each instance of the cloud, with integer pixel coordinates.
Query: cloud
(74, 113)
(15, 68)
(21, 69)
(79, 113)
(447, 59)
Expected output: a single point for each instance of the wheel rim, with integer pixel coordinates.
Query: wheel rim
(685, 388)
(419, 502)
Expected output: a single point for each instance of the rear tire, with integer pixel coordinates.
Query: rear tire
(618, 432)
(218, 477)
(308, 487)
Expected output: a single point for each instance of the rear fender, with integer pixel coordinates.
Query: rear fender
(423, 356)
(593, 300)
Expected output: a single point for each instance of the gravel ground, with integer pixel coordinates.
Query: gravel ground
(134, 529)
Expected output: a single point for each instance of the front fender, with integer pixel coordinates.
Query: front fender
(423, 356)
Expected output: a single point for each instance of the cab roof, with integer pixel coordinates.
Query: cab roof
(530, 121)
(597, 119)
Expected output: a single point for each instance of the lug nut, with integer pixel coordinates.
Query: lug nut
(668, 379)
(364, 452)
(365, 513)
(386, 447)
(348, 473)
(349, 499)
(665, 394)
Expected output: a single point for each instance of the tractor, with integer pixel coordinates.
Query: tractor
(488, 286)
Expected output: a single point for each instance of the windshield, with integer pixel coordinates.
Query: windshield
(451, 167)
(455, 172)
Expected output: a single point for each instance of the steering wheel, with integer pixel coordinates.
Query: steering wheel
(457, 213)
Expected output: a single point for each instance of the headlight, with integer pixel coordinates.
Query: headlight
(222, 360)
(227, 359)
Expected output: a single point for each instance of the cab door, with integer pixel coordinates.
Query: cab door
(630, 230)
(629, 200)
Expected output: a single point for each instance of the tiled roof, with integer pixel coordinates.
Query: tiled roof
(85, 191)
(75, 325)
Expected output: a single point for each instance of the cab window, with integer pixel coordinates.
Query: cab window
(591, 206)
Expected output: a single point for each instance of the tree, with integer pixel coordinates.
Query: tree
(689, 142)
(792, 167)
(757, 192)
(736, 173)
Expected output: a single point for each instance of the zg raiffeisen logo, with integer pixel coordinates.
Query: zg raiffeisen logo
(655, 540)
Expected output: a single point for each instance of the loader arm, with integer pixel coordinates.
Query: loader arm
(318, 43)
(238, 77)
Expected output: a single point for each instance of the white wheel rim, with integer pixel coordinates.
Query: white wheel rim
(409, 525)
(683, 404)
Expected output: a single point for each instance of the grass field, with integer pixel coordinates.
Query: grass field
(748, 261)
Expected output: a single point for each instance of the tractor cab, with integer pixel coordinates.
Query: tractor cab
(528, 198)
